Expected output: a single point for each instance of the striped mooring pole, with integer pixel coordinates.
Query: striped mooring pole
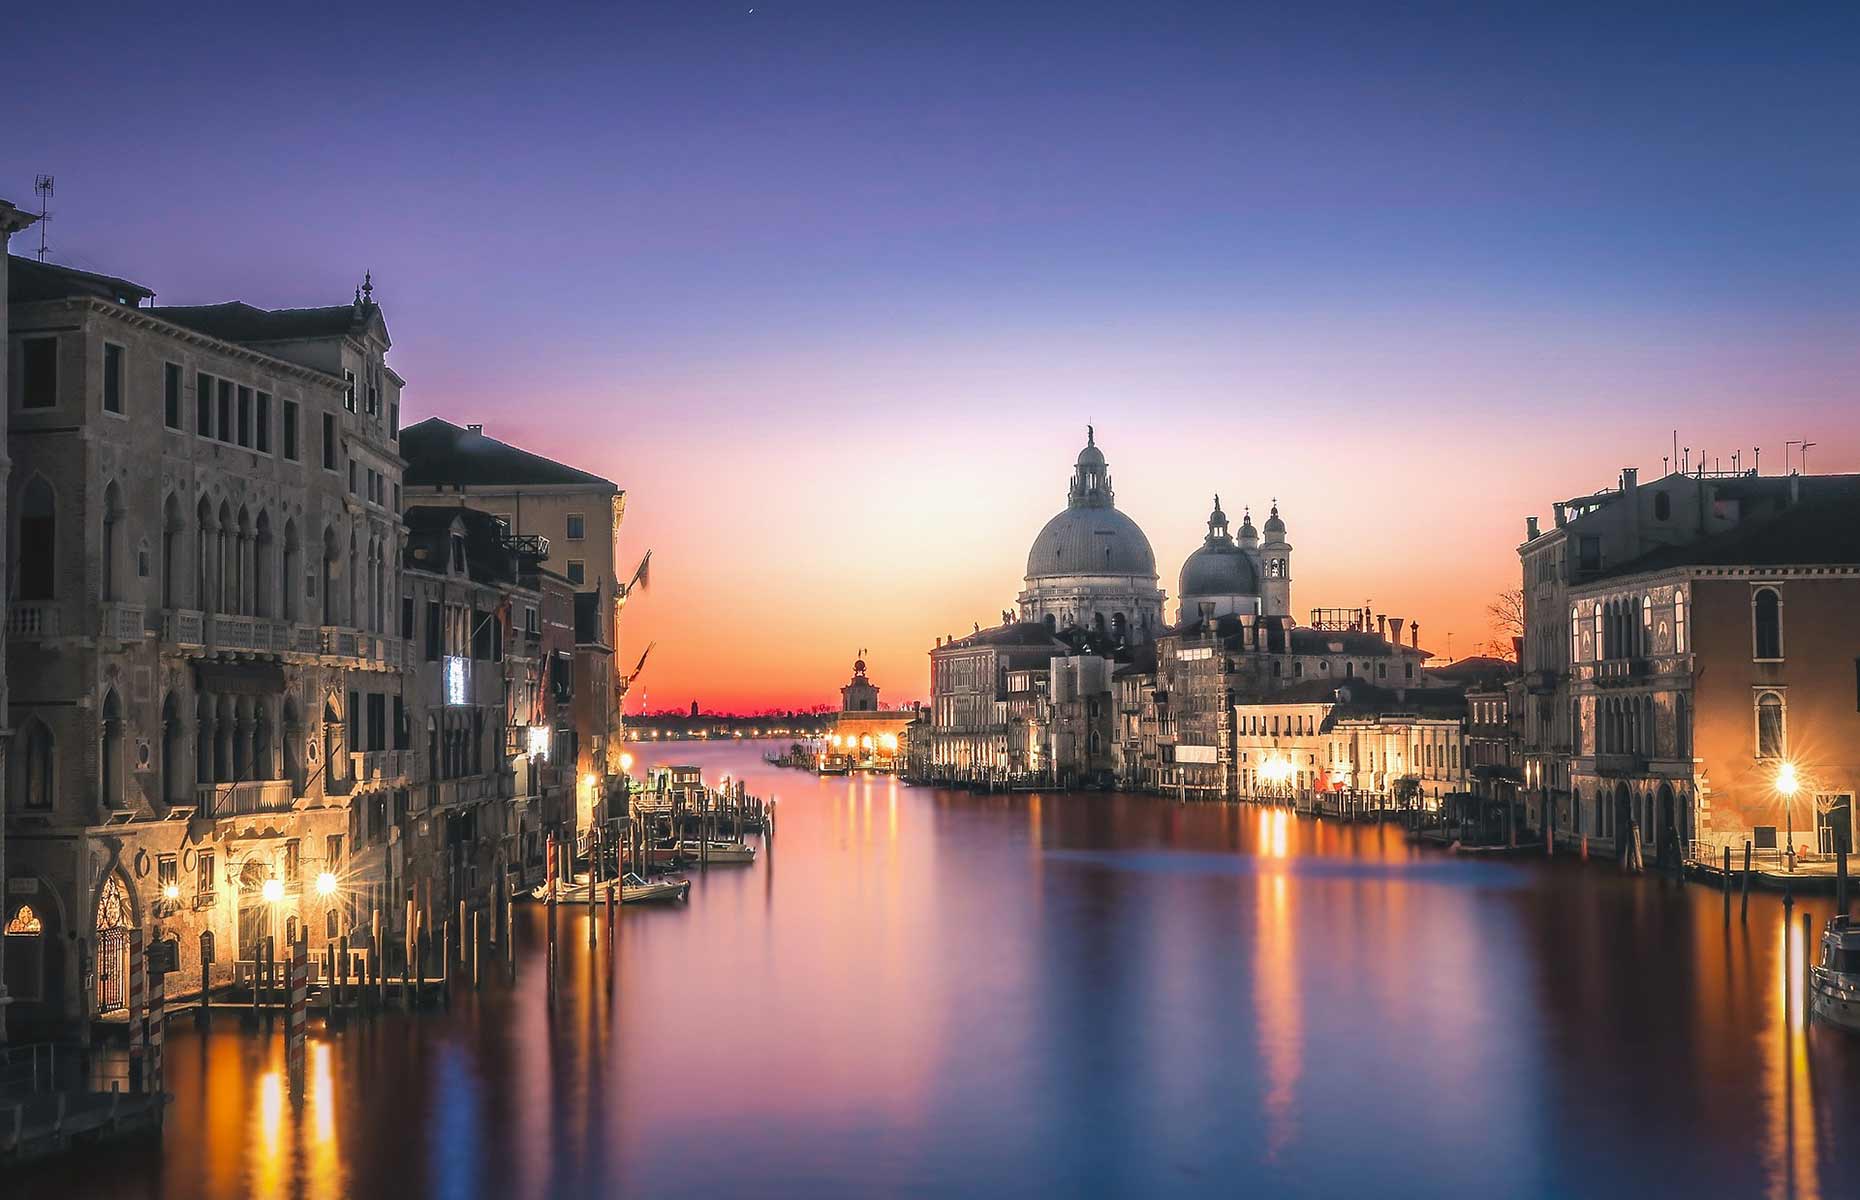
(157, 997)
(135, 967)
(298, 968)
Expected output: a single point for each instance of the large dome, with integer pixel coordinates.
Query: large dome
(1091, 541)
(1218, 568)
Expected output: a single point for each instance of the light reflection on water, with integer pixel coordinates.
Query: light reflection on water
(931, 992)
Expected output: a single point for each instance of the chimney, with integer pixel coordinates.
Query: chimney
(1562, 514)
(1414, 636)
(1530, 529)
(1395, 624)
(1630, 490)
(1382, 626)
(477, 429)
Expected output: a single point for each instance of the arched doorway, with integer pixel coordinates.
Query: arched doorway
(1670, 849)
(115, 921)
(1624, 820)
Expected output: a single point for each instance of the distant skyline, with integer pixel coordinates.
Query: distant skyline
(832, 289)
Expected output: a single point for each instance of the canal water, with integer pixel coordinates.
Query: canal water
(919, 992)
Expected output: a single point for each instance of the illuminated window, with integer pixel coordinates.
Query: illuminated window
(25, 923)
(1771, 734)
(1679, 622)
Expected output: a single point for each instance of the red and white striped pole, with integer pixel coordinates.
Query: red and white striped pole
(158, 992)
(135, 965)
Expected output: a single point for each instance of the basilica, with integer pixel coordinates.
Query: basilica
(1089, 682)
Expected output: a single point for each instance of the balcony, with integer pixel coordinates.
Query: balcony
(1611, 671)
(1621, 765)
(32, 620)
(243, 799)
(122, 622)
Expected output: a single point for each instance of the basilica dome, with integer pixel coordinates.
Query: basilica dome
(1091, 567)
(1091, 537)
(1091, 541)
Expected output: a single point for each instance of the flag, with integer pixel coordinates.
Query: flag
(641, 577)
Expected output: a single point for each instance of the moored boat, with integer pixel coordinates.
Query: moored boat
(1835, 978)
(719, 852)
(634, 890)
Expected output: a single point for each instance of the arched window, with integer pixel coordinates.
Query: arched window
(289, 584)
(1679, 622)
(203, 742)
(1682, 726)
(1771, 735)
(110, 771)
(1646, 625)
(114, 543)
(1662, 506)
(264, 566)
(205, 543)
(172, 527)
(25, 954)
(171, 741)
(38, 540)
(34, 767)
(1766, 617)
(332, 570)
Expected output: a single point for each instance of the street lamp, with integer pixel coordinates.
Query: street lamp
(326, 884)
(273, 891)
(1786, 783)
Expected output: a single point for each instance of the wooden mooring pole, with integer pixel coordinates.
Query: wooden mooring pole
(1743, 903)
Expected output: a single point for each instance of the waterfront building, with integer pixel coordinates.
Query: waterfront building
(463, 585)
(1301, 743)
(580, 515)
(204, 539)
(1494, 738)
(969, 695)
(865, 736)
(1716, 689)
(1597, 533)
(12, 220)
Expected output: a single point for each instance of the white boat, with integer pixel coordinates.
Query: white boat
(569, 888)
(634, 890)
(1835, 979)
(719, 852)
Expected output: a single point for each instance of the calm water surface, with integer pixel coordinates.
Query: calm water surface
(926, 992)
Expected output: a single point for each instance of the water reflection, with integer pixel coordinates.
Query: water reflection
(942, 992)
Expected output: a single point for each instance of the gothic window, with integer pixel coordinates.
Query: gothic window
(1679, 622)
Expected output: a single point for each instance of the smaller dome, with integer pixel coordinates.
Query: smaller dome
(1273, 523)
(1218, 568)
(1246, 525)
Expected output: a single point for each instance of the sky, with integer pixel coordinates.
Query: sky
(832, 289)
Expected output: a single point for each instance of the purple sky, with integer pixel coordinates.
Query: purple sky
(1416, 273)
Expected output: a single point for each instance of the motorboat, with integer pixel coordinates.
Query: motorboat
(569, 887)
(718, 852)
(1835, 979)
(634, 890)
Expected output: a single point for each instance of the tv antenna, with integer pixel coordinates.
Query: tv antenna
(42, 184)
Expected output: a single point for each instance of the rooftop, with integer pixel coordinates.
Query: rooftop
(29, 279)
(441, 454)
(1821, 533)
(237, 321)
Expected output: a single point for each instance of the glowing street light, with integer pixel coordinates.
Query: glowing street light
(626, 761)
(1787, 783)
(273, 891)
(326, 884)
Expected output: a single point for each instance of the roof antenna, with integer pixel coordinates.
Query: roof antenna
(42, 184)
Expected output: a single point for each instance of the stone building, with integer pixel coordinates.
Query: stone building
(969, 738)
(463, 585)
(1597, 533)
(1709, 676)
(865, 736)
(203, 546)
(12, 220)
(580, 514)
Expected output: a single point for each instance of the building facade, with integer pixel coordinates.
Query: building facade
(203, 543)
(579, 513)
(1716, 691)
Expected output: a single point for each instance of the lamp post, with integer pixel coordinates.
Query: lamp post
(1786, 783)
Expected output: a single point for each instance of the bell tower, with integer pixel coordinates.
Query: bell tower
(1276, 560)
